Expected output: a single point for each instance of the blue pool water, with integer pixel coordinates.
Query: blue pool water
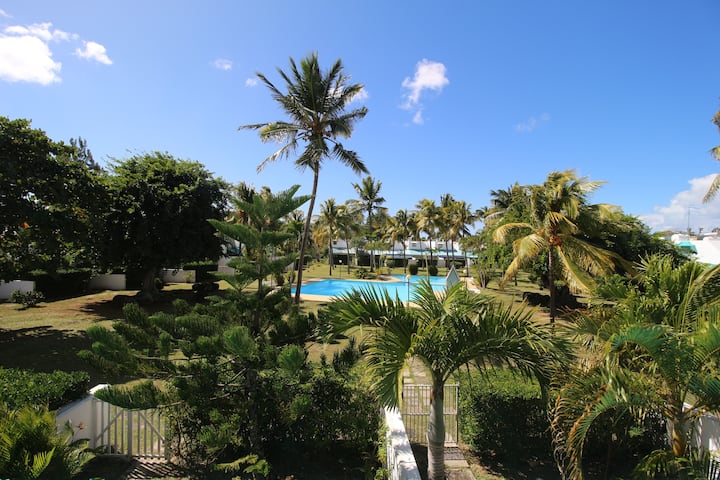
(335, 288)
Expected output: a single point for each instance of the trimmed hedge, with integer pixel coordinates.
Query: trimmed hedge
(504, 415)
(61, 284)
(202, 270)
(25, 387)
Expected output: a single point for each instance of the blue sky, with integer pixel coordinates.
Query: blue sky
(463, 97)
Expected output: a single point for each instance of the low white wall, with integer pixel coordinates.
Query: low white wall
(177, 275)
(82, 416)
(7, 288)
(400, 459)
(108, 281)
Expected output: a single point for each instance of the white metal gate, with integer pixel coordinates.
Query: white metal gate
(415, 411)
(138, 433)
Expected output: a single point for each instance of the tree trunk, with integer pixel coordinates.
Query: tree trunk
(551, 280)
(306, 234)
(330, 256)
(679, 435)
(436, 432)
(149, 290)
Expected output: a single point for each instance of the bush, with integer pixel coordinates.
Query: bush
(433, 270)
(25, 387)
(413, 269)
(202, 270)
(504, 415)
(61, 284)
(34, 448)
(26, 299)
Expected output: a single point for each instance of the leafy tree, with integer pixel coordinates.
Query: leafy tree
(369, 200)
(459, 217)
(316, 103)
(328, 226)
(556, 209)
(657, 351)
(715, 152)
(159, 214)
(444, 332)
(399, 231)
(50, 205)
(426, 218)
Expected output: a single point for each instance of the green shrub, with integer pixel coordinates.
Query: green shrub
(26, 299)
(504, 415)
(31, 447)
(25, 387)
(413, 269)
(202, 270)
(433, 270)
(61, 284)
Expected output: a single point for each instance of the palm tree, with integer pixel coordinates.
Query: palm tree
(328, 226)
(445, 332)
(556, 208)
(427, 216)
(657, 350)
(369, 192)
(459, 216)
(399, 231)
(715, 152)
(316, 103)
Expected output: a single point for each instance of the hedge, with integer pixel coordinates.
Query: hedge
(26, 387)
(61, 284)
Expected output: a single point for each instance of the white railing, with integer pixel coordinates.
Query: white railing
(415, 409)
(115, 430)
(400, 459)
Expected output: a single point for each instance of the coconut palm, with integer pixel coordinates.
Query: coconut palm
(328, 226)
(369, 200)
(556, 208)
(657, 350)
(715, 152)
(316, 102)
(444, 332)
(459, 216)
(399, 231)
(427, 216)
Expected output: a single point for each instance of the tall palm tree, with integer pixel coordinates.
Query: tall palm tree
(444, 332)
(369, 200)
(556, 208)
(715, 152)
(459, 216)
(426, 216)
(657, 350)
(399, 231)
(316, 102)
(328, 226)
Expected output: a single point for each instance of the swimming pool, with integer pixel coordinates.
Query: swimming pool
(333, 288)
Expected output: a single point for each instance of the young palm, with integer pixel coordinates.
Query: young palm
(316, 103)
(444, 332)
(658, 350)
(556, 207)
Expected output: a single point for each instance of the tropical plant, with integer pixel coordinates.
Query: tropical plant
(459, 216)
(426, 217)
(31, 447)
(444, 332)
(316, 103)
(369, 200)
(400, 231)
(327, 227)
(715, 152)
(556, 208)
(656, 350)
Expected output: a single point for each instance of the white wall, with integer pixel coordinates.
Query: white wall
(177, 275)
(108, 281)
(7, 288)
(400, 459)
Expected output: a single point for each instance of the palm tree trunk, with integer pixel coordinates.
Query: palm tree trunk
(347, 247)
(551, 280)
(306, 234)
(330, 256)
(436, 432)
(679, 435)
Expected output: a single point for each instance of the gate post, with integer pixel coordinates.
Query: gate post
(129, 433)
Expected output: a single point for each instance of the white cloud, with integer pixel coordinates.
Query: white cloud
(251, 82)
(686, 208)
(223, 64)
(428, 75)
(26, 56)
(3, 13)
(93, 51)
(27, 59)
(532, 123)
(43, 31)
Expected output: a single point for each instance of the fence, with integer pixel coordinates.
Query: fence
(400, 459)
(415, 411)
(115, 430)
